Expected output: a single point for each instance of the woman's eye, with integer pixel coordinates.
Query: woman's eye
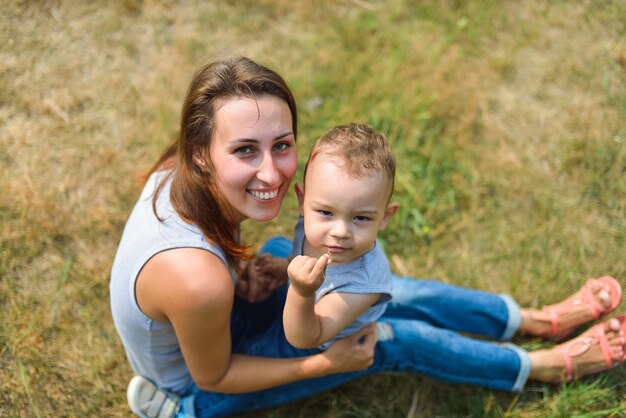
(244, 150)
(281, 146)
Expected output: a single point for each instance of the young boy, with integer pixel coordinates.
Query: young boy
(340, 277)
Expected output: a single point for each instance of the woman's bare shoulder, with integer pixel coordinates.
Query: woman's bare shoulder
(192, 279)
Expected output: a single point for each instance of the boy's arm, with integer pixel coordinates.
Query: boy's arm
(308, 324)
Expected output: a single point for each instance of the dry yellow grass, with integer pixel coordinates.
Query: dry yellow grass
(525, 99)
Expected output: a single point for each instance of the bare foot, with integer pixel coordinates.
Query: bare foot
(571, 312)
(584, 354)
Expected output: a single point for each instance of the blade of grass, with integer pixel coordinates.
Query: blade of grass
(613, 412)
(67, 266)
(25, 383)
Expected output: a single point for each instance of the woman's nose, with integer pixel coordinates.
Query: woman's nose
(268, 173)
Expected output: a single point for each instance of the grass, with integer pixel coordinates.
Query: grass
(507, 119)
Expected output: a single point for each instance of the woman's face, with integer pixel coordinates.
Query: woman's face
(253, 151)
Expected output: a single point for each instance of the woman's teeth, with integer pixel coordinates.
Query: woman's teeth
(264, 195)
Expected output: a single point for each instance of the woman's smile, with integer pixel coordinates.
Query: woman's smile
(254, 155)
(264, 195)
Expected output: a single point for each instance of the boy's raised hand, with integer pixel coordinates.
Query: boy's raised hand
(307, 273)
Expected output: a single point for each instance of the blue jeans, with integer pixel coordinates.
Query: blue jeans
(421, 335)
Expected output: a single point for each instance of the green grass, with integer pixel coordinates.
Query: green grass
(507, 119)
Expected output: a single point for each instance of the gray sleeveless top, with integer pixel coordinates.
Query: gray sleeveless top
(151, 347)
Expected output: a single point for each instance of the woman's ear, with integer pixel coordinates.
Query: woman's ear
(199, 159)
(391, 210)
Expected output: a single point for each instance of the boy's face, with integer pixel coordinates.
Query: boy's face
(342, 213)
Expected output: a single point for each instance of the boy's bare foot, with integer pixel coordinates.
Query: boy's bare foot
(599, 348)
(595, 299)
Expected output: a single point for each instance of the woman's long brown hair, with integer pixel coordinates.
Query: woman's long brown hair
(194, 193)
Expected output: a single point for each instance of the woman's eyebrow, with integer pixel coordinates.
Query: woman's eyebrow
(284, 135)
(256, 141)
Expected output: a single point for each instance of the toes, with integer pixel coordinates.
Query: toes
(616, 337)
(602, 292)
(614, 325)
(617, 351)
(605, 297)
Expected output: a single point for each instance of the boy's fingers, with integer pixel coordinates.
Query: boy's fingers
(310, 265)
(300, 261)
(320, 265)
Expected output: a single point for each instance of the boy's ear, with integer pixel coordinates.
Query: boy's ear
(300, 194)
(391, 210)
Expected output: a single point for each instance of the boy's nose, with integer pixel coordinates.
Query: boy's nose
(340, 230)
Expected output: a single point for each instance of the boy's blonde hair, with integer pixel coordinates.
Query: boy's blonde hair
(362, 148)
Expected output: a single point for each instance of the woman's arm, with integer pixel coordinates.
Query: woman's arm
(191, 288)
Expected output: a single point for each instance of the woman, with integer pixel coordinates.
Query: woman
(174, 280)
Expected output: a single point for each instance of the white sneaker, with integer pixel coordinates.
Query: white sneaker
(148, 401)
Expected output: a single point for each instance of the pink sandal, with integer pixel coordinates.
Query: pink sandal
(588, 299)
(580, 345)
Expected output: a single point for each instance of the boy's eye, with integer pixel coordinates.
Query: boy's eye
(324, 213)
(362, 218)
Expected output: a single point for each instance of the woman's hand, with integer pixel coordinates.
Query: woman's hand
(307, 273)
(352, 353)
(275, 267)
(261, 277)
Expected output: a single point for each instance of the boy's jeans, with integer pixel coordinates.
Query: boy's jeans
(418, 334)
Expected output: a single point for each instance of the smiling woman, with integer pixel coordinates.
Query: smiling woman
(254, 156)
(174, 278)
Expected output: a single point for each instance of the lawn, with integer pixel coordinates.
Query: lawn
(508, 120)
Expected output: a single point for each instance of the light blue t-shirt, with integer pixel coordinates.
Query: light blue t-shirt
(151, 347)
(369, 273)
